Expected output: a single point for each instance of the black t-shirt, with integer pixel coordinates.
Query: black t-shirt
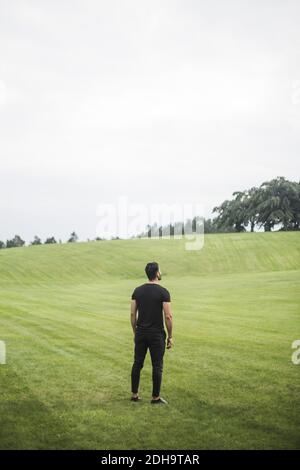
(149, 298)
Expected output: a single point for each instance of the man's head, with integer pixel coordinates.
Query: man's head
(153, 272)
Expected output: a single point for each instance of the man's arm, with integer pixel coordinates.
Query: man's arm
(168, 319)
(133, 314)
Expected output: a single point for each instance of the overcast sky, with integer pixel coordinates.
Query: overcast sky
(159, 101)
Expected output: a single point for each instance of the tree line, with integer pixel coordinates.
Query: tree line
(17, 241)
(275, 202)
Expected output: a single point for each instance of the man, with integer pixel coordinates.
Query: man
(150, 300)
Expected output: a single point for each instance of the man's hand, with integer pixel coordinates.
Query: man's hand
(169, 343)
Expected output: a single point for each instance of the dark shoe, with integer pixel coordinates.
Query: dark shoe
(135, 398)
(160, 400)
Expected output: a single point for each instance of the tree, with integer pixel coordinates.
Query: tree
(274, 202)
(50, 240)
(73, 238)
(15, 242)
(148, 228)
(2, 245)
(278, 202)
(36, 241)
(230, 218)
(210, 226)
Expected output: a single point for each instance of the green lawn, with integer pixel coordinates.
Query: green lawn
(230, 382)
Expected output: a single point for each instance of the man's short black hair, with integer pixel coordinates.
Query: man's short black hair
(151, 270)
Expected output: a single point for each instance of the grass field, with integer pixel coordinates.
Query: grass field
(230, 381)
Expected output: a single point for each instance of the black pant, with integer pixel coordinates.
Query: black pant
(156, 342)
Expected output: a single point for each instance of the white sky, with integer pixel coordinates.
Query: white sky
(158, 101)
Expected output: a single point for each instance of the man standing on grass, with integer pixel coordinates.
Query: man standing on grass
(150, 300)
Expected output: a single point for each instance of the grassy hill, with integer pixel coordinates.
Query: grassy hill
(64, 315)
(125, 259)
